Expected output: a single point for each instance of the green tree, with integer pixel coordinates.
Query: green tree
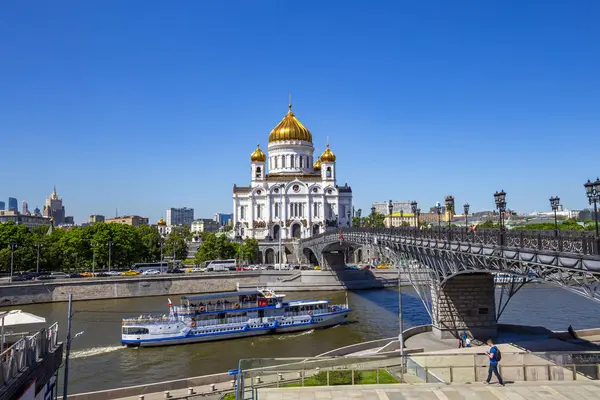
(175, 244)
(207, 249)
(151, 240)
(248, 250)
(487, 224)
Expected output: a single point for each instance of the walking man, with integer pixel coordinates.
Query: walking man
(495, 356)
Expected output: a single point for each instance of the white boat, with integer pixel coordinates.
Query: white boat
(231, 315)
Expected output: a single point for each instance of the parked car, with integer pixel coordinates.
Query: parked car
(198, 269)
(151, 272)
(353, 267)
(112, 273)
(18, 278)
(45, 277)
(130, 273)
(59, 275)
(368, 266)
(383, 267)
(175, 271)
(102, 274)
(87, 274)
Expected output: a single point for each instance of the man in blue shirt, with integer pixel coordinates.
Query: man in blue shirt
(493, 355)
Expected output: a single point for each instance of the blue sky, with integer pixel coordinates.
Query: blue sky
(143, 105)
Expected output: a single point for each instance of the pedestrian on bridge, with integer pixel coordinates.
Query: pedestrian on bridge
(495, 357)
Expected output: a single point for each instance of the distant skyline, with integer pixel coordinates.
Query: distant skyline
(146, 105)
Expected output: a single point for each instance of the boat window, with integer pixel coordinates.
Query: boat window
(134, 331)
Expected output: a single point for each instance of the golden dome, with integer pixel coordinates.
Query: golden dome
(327, 155)
(290, 129)
(317, 164)
(258, 155)
(161, 222)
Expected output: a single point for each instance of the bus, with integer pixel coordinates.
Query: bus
(220, 265)
(159, 266)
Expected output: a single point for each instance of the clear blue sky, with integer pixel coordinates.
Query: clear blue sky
(143, 105)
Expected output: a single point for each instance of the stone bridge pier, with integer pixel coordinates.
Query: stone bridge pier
(465, 303)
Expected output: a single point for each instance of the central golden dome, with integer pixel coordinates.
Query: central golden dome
(161, 222)
(290, 129)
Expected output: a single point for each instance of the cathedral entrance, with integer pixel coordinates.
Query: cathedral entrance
(359, 256)
(270, 256)
(296, 231)
(276, 232)
(315, 230)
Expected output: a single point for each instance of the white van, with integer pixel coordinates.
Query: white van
(220, 265)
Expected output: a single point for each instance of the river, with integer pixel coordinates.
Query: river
(99, 362)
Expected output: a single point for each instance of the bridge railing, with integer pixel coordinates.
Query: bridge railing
(580, 242)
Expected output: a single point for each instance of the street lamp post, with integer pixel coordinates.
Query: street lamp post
(418, 213)
(449, 202)
(555, 203)
(413, 208)
(390, 210)
(438, 210)
(593, 193)
(359, 213)
(500, 199)
(466, 209)
(372, 216)
(94, 244)
(12, 246)
(37, 261)
(110, 245)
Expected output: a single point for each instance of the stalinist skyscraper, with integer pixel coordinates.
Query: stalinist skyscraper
(54, 208)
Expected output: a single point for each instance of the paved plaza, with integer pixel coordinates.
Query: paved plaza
(516, 391)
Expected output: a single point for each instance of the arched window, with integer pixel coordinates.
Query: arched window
(292, 161)
(329, 172)
(301, 162)
(258, 172)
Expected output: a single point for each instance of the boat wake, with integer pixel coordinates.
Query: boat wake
(291, 336)
(94, 351)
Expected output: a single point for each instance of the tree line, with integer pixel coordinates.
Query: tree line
(219, 247)
(76, 249)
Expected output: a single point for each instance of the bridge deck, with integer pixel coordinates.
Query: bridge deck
(520, 390)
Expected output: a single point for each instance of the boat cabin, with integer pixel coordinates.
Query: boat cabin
(214, 303)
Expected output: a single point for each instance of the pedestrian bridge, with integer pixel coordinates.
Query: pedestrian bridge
(466, 268)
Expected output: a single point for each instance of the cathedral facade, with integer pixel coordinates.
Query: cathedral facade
(292, 194)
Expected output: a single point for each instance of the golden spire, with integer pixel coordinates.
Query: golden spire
(258, 155)
(327, 155)
(290, 129)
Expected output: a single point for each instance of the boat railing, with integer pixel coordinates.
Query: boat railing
(148, 319)
(231, 320)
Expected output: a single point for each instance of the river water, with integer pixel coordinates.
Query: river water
(99, 362)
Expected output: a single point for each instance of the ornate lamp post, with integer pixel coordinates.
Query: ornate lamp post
(390, 210)
(359, 213)
(413, 208)
(37, 261)
(555, 203)
(94, 245)
(466, 209)
(12, 246)
(449, 202)
(417, 213)
(593, 193)
(438, 211)
(500, 198)
(372, 216)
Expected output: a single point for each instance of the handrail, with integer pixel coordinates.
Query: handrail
(27, 352)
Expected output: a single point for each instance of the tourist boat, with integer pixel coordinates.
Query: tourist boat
(219, 316)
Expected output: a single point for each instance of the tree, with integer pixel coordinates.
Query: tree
(207, 249)
(151, 240)
(488, 224)
(248, 250)
(175, 244)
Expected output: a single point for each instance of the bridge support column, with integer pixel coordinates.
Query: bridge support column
(465, 303)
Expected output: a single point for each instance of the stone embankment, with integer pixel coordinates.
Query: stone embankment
(13, 294)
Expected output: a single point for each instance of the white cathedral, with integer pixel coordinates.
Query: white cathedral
(296, 196)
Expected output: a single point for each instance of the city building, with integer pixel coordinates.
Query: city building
(54, 208)
(133, 220)
(180, 216)
(2, 206)
(69, 221)
(37, 212)
(92, 219)
(25, 208)
(292, 194)
(205, 225)
(13, 205)
(398, 206)
(28, 220)
(223, 219)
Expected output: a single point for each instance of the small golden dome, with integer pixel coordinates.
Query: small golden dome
(258, 155)
(161, 222)
(317, 165)
(290, 129)
(327, 155)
